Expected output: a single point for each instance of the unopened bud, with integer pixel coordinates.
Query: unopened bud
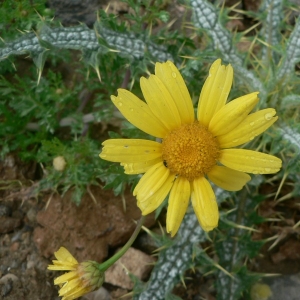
(260, 291)
(83, 277)
(59, 163)
(90, 274)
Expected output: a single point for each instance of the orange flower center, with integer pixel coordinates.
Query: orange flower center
(190, 151)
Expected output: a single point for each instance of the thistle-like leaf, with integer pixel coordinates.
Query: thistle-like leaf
(127, 44)
(291, 55)
(173, 261)
(270, 31)
(233, 245)
(290, 101)
(205, 16)
(291, 135)
(177, 257)
(84, 39)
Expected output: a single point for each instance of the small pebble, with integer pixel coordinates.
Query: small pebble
(14, 246)
(100, 294)
(5, 210)
(31, 214)
(7, 277)
(8, 224)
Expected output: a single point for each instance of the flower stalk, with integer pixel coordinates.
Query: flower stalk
(105, 265)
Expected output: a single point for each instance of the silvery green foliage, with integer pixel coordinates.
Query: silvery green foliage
(205, 16)
(128, 44)
(232, 246)
(292, 136)
(288, 138)
(291, 100)
(84, 39)
(80, 37)
(270, 30)
(174, 260)
(178, 257)
(291, 55)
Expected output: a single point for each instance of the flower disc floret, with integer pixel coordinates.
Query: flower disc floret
(190, 151)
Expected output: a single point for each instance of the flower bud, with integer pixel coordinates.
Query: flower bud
(59, 163)
(83, 277)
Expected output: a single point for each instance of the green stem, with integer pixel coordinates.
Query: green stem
(104, 266)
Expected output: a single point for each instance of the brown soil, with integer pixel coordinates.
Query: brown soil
(32, 229)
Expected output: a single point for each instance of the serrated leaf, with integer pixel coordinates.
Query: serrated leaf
(174, 260)
(128, 44)
(232, 289)
(270, 30)
(205, 16)
(290, 100)
(291, 135)
(291, 55)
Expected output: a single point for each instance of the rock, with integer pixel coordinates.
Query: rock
(252, 4)
(133, 261)
(7, 282)
(87, 230)
(235, 25)
(73, 12)
(120, 294)
(284, 287)
(14, 246)
(5, 210)
(289, 250)
(8, 277)
(8, 224)
(31, 214)
(100, 294)
(13, 168)
(26, 238)
(146, 242)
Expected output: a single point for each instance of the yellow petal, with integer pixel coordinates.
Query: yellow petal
(248, 129)
(232, 114)
(151, 181)
(78, 293)
(173, 81)
(160, 101)
(178, 204)
(62, 266)
(152, 203)
(205, 204)
(66, 277)
(215, 91)
(139, 167)
(64, 255)
(138, 113)
(250, 161)
(69, 287)
(130, 150)
(228, 179)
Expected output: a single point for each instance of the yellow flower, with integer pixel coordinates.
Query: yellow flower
(192, 149)
(83, 277)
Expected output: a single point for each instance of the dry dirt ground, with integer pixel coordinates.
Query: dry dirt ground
(30, 233)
